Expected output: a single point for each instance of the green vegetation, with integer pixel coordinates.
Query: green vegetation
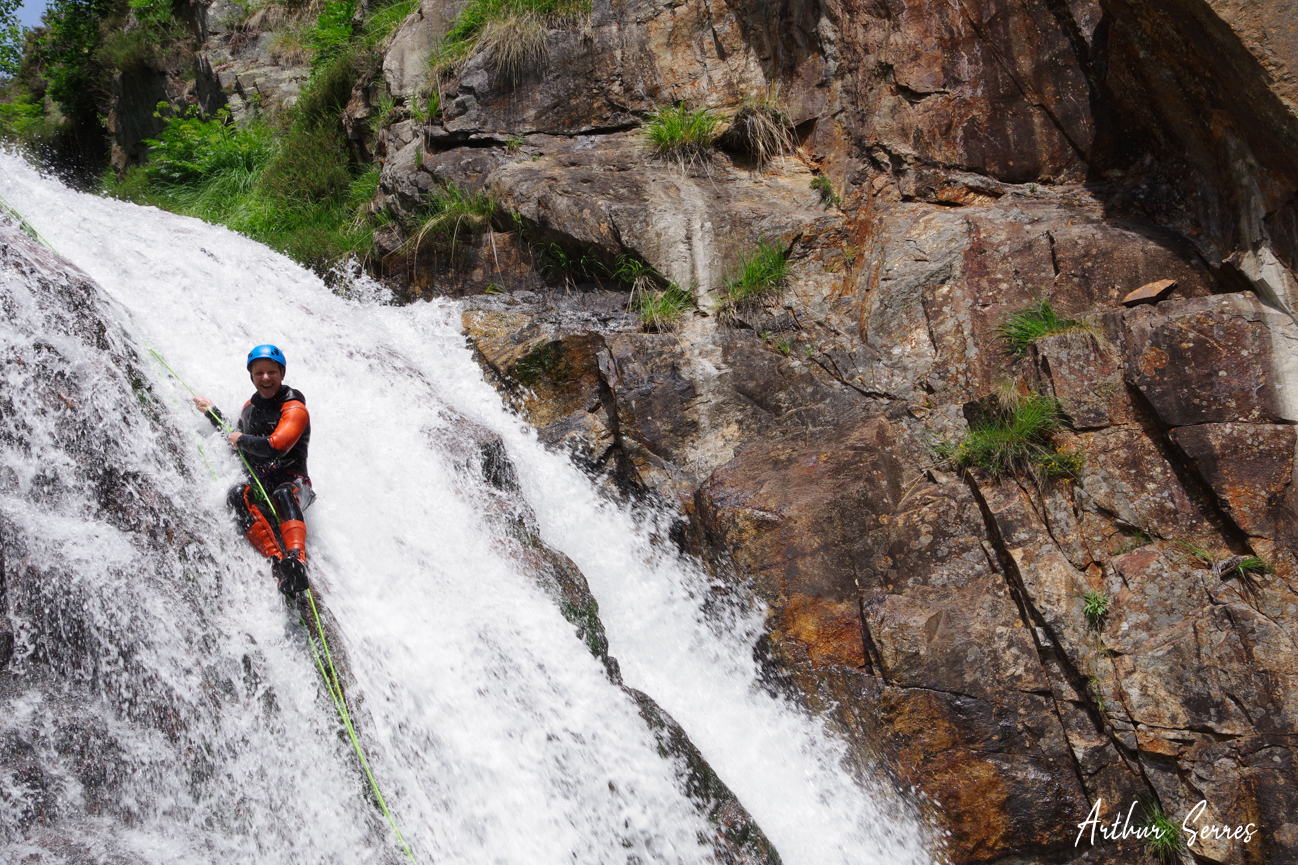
(1163, 838)
(451, 211)
(11, 39)
(660, 309)
(825, 187)
(513, 31)
(1039, 320)
(760, 273)
(762, 128)
(1015, 438)
(1135, 539)
(1097, 607)
(680, 134)
(1250, 565)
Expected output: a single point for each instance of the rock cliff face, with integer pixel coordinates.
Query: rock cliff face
(988, 153)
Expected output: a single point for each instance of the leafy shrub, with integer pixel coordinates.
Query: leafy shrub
(11, 39)
(192, 148)
(1039, 320)
(1014, 438)
(1096, 607)
(332, 34)
(21, 117)
(681, 134)
(67, 51)
(760, 273)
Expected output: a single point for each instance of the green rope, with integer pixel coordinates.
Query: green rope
(332, 682)
(340, 703)
(25, 225)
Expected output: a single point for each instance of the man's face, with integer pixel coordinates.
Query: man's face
(266, 377)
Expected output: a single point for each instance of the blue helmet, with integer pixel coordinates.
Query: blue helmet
(269, 352)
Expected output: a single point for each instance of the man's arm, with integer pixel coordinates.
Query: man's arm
(213, 413)
(293, 419)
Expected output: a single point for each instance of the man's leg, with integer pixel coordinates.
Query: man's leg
(291, 570)
(253, 523)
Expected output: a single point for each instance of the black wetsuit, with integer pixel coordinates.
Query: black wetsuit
(276, 436)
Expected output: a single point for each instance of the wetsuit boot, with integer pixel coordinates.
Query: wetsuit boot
(290, 571)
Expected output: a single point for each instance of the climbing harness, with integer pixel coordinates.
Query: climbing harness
(330, 676)
(24, 224)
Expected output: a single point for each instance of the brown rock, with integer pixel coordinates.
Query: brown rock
(1149, 293)
(1208, 360)
(793, 518)
(1250, 468)
(1084, 372)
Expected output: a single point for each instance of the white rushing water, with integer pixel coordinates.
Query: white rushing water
(495, 736)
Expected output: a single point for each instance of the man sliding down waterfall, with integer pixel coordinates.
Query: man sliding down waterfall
(273, 433)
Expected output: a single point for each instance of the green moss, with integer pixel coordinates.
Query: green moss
(543, 363)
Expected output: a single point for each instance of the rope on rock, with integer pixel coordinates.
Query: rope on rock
(331, 679)
(25, 225)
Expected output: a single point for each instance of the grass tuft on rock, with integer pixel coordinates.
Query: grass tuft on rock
(762, 128)
(682, 134)
(450, 212)
(660, 309)
(1015, 438)
(1039, 320)
(761, 273)
(515, 31)
(1163, 838)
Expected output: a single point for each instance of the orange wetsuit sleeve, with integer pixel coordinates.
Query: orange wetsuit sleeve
(293, 419)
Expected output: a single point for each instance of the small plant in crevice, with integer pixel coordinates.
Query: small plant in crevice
(1039, 320)
(1014, 437)
(784, 347)
(1163, 838)
(1248, 566)
(1093, 688)
(761, 273)
(555, 262)
(828, 196)
(680, 134)
(1096, 607)
(1135, 540)
(761, 128)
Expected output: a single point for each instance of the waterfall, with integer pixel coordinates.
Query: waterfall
(162, 704)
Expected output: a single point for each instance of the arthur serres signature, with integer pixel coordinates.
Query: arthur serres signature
(1122, 827)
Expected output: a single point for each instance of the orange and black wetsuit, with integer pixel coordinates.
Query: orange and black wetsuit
(276, 435)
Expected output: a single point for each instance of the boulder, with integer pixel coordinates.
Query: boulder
(1213, 360)
(1250, 469)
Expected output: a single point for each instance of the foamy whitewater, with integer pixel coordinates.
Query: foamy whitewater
(493, 733)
